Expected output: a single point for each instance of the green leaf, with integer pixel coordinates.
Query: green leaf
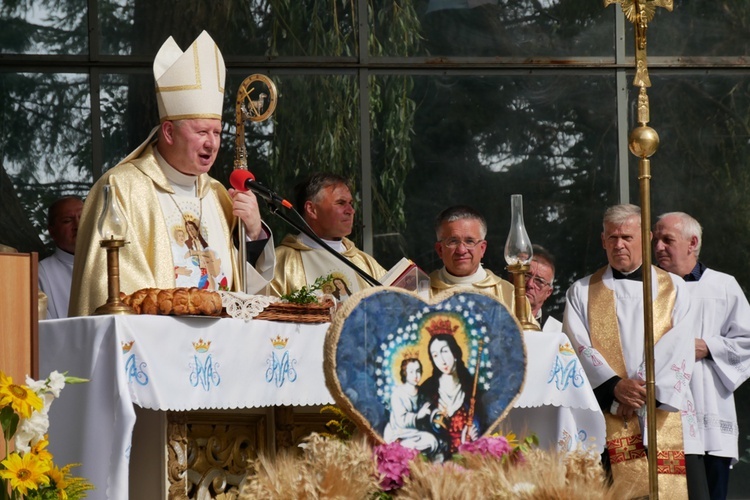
(306, 294)
(9, 421)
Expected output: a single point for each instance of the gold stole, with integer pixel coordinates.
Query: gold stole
(625, 442)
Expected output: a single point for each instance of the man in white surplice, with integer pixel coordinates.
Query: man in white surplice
(722, 342)
(605, 309)
(56, 271)
(325, 202)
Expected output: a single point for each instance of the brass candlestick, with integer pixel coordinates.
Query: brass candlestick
(112, 227)
(518, 253)
(113, 305)
(519, 283)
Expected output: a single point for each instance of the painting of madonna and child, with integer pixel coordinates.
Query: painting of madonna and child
(428, 375)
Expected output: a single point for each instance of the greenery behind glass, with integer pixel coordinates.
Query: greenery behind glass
(462, 106)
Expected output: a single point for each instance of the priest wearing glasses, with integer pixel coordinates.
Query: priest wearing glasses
(461, 232)
(540, 281)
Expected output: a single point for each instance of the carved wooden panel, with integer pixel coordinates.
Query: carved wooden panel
(307, 423)
(208, 452)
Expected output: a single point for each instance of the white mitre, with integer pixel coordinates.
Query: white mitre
(190, 84)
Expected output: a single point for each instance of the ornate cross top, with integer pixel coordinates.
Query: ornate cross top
(640, 13)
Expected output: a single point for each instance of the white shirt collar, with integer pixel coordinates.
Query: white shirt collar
(337, 245)
(183, 184)
(447, 277)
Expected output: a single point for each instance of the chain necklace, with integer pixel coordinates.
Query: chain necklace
(185, 219)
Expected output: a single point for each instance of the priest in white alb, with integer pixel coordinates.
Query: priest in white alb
(722, 342)
(604, 321)
(181, 221)
(56, 271)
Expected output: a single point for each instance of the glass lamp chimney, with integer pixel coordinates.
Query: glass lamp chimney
(518, 248)
(112, 224)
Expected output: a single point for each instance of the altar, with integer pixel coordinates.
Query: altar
(180, 366)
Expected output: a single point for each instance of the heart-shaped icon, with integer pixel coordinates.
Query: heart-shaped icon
(431, 375)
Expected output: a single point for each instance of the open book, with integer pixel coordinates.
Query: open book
(407, 275)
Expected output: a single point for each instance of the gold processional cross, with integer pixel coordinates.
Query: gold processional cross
(643, 142)
(640, 13)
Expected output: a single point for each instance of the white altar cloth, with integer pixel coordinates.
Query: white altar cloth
(167, 363)
(557, 402)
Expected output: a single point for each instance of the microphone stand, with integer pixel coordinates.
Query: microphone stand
(273, 206)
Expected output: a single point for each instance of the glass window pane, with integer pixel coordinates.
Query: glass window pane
(44, 27)
(487, 28)
(241, 29)
(477, 140)
(45, 139)
(128, 113)
(702, 166)
(315, 128)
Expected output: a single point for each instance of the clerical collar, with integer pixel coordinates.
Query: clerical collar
(696, 273)
(183, 184)
(636, 275)
(337, 245)
(447, 277)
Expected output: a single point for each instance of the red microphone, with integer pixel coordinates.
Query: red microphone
(244, 180)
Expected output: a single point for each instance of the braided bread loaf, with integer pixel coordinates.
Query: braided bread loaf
(174, 301)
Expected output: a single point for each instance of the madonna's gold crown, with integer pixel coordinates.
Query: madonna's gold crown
(190, 84)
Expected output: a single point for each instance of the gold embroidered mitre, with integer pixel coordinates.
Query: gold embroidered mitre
(190, 84)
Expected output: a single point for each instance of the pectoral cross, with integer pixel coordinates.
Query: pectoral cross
(640, 13)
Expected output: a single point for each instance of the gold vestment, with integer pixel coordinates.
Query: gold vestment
(146, 261)
(290, 271)
(625, 437)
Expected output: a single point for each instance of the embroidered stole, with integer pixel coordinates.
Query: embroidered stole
(625, 443)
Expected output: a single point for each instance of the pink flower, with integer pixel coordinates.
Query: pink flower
(495, 446)
(393, 464)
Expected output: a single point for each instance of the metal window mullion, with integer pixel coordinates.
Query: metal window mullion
(97, 147)
(364, 127)
(622, 109)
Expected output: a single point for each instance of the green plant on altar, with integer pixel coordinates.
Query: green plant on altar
(28, 472)
(306, 294)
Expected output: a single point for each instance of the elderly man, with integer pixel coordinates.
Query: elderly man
(604, 321)
(325, 202)
(539, 285)
(56, 271)
(163, 189)
(722, 342)
(460, 232)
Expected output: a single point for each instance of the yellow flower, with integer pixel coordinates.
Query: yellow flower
(40, 450)
(24, 472)
(58, 477)
(21, 398)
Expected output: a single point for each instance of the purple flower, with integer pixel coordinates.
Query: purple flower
(495, 446)
(393, 463)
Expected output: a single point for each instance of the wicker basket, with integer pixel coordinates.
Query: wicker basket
(297, 313)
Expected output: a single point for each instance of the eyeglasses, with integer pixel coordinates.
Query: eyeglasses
(538, 280)
(454, 242)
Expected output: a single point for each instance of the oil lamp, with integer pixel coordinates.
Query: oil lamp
(112, 227)
(518, 253)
